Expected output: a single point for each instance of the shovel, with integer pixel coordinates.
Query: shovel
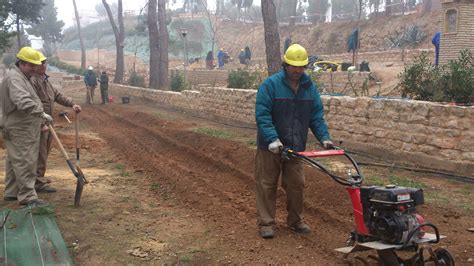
(76, 124)
(81, 179)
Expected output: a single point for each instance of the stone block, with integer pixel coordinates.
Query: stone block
(442, 142)
(450, 154)
(458, 111)
(418, 139)
(421, 108)
(468, 156)
(416, 119)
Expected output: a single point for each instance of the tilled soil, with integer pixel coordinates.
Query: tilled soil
(161, 192)
(213, 178)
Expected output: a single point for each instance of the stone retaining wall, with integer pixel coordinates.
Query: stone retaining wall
(335, 82)
(429, 135)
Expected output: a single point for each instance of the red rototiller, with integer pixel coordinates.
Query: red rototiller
(385, 217)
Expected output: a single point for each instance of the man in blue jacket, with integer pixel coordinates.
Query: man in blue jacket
(90, 79)
(288, 103)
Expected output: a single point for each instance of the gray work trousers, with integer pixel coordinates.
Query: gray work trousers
(268, 167)
(44, 148)
(22, 143)
(90, 94)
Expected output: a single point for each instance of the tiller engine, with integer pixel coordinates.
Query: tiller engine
(386, 219)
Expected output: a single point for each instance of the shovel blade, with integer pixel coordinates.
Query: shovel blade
(78, 194)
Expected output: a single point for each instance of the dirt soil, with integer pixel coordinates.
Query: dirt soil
(170, 187)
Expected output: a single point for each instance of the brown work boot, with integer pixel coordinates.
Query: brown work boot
(35, 203)
(266, 232)
(46, 189)
(301, 228)
(10, 198)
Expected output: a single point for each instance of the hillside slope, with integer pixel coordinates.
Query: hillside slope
(325, 38)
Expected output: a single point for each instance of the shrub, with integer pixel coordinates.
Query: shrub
(458, 84)
(413, 36)
(9, 60)
(66, 67)
(136, 79)
(452, 82)
(177, 82)
(242, 79)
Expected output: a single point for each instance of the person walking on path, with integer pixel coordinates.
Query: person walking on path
(90, 79)
(48, 96)
(104, 87)
(242, 57)
(22, 117)
(248, 55)
(210, 60)
(287, 104)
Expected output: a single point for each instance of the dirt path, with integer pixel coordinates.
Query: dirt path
(163, 190)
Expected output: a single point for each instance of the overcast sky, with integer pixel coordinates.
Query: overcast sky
(66, 8)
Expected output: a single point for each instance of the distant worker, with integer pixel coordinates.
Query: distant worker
(48, 96)
(90, 79)
(287, 44)
(436, 42)
(210, 60)
(22, 117)
(104, 87)
(242, 57)
(248, 55)
(287, 104)
(220, 58)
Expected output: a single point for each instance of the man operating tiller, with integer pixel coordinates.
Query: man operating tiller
(288, 103)
(48, 95)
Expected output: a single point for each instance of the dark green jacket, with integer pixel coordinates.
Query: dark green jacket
(280, 114)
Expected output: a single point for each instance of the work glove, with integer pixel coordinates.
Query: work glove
(275, 146)
(47, 118)
(77, 108)
(327, 144)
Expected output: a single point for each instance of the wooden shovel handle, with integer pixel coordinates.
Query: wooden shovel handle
(55, 136)
(76, 123)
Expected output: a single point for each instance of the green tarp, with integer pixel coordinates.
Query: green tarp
(30, 236)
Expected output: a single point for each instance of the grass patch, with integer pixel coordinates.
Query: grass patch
(122, 170)
(185, 258)
(155, 186)
(216, 133)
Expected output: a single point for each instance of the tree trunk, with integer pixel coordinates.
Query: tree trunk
(119, 39)
(163, 45)
(272, 38)
(81, 40)
(154, 44)
(294, 5)
(388, 7)
(18, 32)
(427, 6)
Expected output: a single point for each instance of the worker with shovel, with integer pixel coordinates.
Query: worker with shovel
(48, 96)
(288, 103)
(22, 117)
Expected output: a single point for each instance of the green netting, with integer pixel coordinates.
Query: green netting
(31, 236)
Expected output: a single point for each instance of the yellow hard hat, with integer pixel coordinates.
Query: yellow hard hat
(42, 57)
(29, 55)
(296, 55)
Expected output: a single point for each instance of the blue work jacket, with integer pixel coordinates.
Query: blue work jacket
(282, 114)
(90, 78)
